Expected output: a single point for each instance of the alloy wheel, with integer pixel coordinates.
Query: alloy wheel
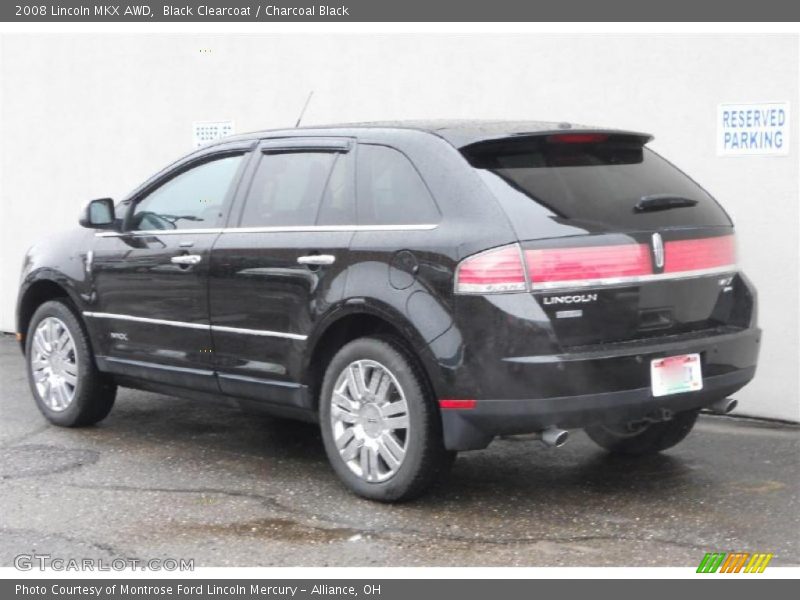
(370, 421)
(54, 364)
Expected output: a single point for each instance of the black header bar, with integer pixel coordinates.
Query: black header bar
(332, 11)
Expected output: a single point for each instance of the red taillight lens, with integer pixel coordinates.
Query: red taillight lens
(498, 270)
(696, 255)
(550, 267)
(504, 269)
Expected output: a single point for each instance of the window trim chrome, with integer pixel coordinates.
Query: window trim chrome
(286, 229)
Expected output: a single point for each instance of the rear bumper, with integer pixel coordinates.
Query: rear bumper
(729, 363)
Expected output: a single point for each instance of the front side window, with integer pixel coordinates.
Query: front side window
(390, 190)
(287, 189)
(193, 199)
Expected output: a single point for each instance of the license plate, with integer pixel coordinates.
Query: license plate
(676, 374)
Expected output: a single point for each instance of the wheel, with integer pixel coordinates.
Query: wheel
(67, 387)
(643, 438)
(380, 426)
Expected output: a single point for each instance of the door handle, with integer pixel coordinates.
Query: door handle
(186, 259)
(316, 259)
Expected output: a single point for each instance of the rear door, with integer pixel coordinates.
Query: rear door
(151, 294)
(280, 265)
(619, 243)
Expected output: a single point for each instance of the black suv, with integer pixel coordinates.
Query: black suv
(416, 288)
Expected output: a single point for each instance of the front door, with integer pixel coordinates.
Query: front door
(151, 279)
(281, 267)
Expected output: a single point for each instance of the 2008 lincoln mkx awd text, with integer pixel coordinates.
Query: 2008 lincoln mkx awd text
(416, 288)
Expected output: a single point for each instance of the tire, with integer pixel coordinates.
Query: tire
(650, 439)
(81, 395)
(370, 430)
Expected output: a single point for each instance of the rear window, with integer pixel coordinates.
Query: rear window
(594, 178)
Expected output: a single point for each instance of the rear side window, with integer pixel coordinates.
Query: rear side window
(591, 178)
(287, 189)
(390, 190)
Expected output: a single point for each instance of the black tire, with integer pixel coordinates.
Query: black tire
(94, 392)
(426, 459)
(649, 439)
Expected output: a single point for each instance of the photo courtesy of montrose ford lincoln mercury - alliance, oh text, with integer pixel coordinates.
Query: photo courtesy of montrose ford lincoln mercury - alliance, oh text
(416, 288)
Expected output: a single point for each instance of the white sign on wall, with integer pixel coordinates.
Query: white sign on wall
(205, 132)
(755, 128)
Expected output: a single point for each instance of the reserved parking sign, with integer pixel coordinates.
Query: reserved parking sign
(754, 128)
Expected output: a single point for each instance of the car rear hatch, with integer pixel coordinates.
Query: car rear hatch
(616, 243)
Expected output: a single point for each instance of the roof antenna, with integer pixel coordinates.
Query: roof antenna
(305, 106)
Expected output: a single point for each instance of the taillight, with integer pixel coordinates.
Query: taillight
(697, 255)
(510, 269)
(498, 270)
(552, 267)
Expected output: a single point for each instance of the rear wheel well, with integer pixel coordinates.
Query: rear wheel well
(36, 295)
(346, 330)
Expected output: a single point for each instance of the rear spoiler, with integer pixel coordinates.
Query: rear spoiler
(577, 135)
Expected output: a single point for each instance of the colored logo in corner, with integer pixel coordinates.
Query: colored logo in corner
(736, 562)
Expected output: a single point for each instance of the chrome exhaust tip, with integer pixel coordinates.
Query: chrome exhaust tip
(554, 437)
(724, 406)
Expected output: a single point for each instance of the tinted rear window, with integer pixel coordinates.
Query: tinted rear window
(596, 182)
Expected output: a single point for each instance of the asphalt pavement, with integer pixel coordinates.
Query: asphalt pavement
(165, 477)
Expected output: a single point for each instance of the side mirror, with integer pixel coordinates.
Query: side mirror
(98, 214)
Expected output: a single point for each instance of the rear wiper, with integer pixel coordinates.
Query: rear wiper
(662, 202)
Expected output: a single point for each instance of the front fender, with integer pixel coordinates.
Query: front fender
(60, 260)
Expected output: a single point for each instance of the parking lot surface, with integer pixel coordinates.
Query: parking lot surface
(166, 477)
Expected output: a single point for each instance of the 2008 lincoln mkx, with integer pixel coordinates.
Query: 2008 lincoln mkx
(399, 284)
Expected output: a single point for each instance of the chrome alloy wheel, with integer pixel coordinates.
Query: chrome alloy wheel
(54, 363)
(369, 417)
